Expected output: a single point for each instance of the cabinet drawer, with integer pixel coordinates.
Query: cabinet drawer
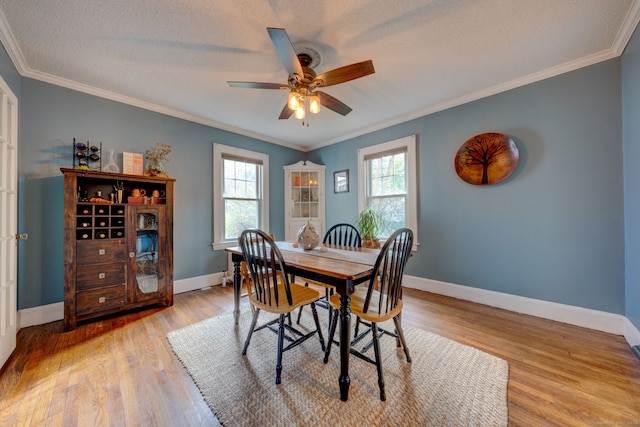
(100, 252)
(99, 275)
(100, 299)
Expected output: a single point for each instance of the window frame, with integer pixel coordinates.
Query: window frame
(407, 143)
(219, 150)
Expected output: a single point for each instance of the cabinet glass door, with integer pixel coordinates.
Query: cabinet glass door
(147, 268)
(304, 194)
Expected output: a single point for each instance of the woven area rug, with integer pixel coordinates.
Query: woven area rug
(446, 384)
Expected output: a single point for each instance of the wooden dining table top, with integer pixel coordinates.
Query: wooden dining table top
(339, 262)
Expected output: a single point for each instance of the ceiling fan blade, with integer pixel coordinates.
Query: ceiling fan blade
(344, 74)
(257, 85)
(332, 103)
(286, 52)
(286, 112)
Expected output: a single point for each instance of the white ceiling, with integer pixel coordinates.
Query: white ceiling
(176, 57)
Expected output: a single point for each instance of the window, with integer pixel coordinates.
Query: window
(388, 182)
(240, 193)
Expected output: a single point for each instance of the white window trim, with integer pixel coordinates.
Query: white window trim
(412, 188)
(218, 205)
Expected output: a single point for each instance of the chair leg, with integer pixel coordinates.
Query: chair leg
(280, 341)
(251, 328)
(299, 315)
(400, 334)
(315, 318)
(376, 350)
(247, 284)
(301, 307)
(399, 322)
(332, 331)
(327, 295)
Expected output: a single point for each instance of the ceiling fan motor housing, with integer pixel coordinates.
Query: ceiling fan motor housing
(309, 51)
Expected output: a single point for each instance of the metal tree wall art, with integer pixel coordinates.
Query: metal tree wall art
(486, 159)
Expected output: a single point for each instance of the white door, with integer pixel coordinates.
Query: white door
(8, 220)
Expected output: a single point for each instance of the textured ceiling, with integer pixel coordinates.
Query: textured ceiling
(176, 57)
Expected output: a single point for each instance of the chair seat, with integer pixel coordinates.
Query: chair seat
(300, 294)
(357, 304)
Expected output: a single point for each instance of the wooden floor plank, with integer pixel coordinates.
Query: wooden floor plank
(122, 371)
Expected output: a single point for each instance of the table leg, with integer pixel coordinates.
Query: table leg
(345, 342)
(237, 282)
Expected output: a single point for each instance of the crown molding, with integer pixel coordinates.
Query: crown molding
(627, 28)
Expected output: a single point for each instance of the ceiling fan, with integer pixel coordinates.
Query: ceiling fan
(303, 81)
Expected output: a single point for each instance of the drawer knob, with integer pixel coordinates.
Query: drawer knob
(101, 300)
(101, 252)
(101, 275)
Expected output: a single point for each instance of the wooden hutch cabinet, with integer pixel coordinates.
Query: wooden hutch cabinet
(117, 256)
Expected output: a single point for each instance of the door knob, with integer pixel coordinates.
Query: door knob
(24, 236)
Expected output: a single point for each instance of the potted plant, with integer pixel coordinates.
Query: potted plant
(370, 223)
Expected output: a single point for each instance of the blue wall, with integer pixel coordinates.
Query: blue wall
(554, 230)
(631, 132)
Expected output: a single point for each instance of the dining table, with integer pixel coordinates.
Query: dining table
(342, 267)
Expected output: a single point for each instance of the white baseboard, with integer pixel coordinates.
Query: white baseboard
(40, 315)
(198, 282)
(579, 316)
(584, 317)
(631, 333)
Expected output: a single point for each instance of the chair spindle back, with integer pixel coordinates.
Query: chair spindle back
(343, 235)
(266, 265)
(389, 270)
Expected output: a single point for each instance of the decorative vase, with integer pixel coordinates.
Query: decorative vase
(307, 237)
(155, 166)
(111, 165)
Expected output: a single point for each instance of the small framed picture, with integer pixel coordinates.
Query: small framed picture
(341, 181)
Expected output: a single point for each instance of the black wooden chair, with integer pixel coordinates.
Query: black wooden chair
(273, 292)
(381, 300)
(342, 234)
(245, 280)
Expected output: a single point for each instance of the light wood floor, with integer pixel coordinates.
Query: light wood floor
(121, 371)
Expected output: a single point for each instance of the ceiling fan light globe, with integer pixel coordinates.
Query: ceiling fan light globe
(314, 104)
(299, 112)
(293, 101)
